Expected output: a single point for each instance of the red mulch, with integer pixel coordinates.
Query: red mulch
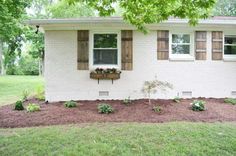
(138, 111)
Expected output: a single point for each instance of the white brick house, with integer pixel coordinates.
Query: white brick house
(199, 61)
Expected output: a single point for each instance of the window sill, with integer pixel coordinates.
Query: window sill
(181, 58)
(229, 58)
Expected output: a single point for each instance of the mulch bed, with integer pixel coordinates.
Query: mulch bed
(139, 111)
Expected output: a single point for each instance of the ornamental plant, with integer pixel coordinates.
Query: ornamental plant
(127, 101)
(151, 87)
(198, 105)
(70, 104)
(32, 107)
(105, 108)
(19, 105)
(230, 100)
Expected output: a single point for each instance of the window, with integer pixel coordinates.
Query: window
(230, 45)
(180, 44)
(105, 49)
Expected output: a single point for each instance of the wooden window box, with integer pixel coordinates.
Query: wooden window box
(105, 76)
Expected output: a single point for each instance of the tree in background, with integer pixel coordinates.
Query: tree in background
(141, 12)
(11, 14)
(225, 8)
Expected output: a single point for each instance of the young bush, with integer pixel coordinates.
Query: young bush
(19, 105)
(198, 105)
(157, 109)
(40, 93)
(127, 101)
(32, 107)
(177, 99)
(70, 104)
(25, 95)
(151, 87)
(105, 109)
(230, 100)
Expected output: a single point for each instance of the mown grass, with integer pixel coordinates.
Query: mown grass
(11, 87)
(123, 139)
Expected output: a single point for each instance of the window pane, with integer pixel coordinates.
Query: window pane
(180, 49)
(180, 38)
(230, 50)
(105, 56)
(230, 39)
(105, 40)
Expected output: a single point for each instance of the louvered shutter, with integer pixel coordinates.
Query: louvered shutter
(217, 45)
(83, 50)
(162, 44)
(127, 49)
(200, 46)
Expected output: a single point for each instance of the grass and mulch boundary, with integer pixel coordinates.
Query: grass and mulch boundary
(137, 111)
(124, 139)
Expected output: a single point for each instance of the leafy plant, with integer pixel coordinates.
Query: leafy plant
(127, 101)
(40, 93)
(70, 104)
(230, 100)
(157, 109)
(177, 99)
(151, 87)
(105, 108)
(198, 105)
(32, 107)
(19, 105)
(25, 94)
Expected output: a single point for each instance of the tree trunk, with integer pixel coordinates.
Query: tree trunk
(1, 58)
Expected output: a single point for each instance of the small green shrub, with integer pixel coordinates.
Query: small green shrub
(19, 105)
(198, 105)
(230, 100)
(25, 95)
(40, 93)
(127, 101)
(157, 109)
(105, 108)
(32, 107)
(70, 104)
(177, 99)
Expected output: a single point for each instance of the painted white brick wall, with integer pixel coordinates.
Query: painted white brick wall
(64, 82)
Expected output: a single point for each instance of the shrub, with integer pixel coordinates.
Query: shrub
(32, 107)
(151, 87)
(25, 95)
(127, 101)
(177, 99)
(40, 93)
(230, 100)
(19, 105)
(105, 108)
(198, 105)
(157, 109)
(70, 104)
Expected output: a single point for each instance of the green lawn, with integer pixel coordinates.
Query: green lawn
(11, 87)
(107, 139)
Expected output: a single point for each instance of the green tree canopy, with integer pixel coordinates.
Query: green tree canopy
(141, 12)
(225, 8)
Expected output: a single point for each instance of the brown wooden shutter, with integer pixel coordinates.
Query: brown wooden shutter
(200, 47)
(127, 49)
(162, 44)
(217, 45)
(83, 50)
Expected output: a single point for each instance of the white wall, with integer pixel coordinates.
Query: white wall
(64, 82)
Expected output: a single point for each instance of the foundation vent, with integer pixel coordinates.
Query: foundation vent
(103, 93)
(187, 94)
(233, 93)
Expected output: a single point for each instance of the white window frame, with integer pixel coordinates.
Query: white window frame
(225, 56)
(182, 57)
(91, 48)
